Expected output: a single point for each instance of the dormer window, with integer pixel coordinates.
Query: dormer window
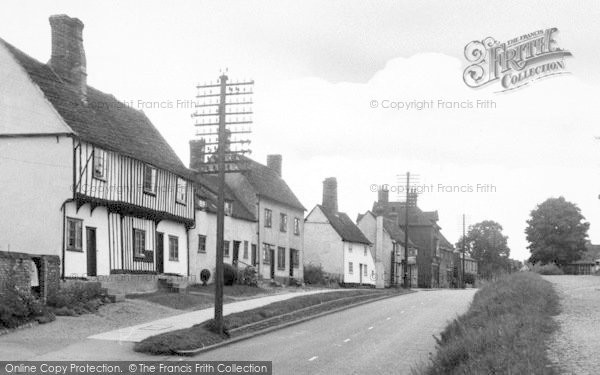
(228, 208)
(201, 203)
(149, 179)
(99, 164)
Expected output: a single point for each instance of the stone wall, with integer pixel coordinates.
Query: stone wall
(16, 270)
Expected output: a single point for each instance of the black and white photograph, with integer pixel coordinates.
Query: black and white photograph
(299, 187)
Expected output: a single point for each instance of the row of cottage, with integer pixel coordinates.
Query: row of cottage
(92, 181)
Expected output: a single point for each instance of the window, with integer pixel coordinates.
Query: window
(245, 249)
(282, 222)
(228, 208)
(350, 268)
(201, 203)
(266, 253)
(181, 190)
(296, 226)
(226, 249)
(149, 179)
(366, 248)
(174, 248)
(295, 258)
(201, 243)
(139, 243)
(268, 218)
(365, 270)
(74, 233)
(99, 164)
(281, 258)
(349, 247)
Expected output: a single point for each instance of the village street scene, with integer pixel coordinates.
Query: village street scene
(284, 188)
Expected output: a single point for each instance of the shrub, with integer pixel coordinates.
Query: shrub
(204, 276)
(248, 276)
(77, 298)
(547, 269)
(19, 307)
(229, 274)
(313, 274)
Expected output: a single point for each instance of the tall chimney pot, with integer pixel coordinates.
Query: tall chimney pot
(68, 55)
(274, 162)
(330, 194)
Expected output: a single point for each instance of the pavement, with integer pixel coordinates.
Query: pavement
(139, 332)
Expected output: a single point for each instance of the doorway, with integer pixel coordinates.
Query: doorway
(160, 254)
(90, 235)
(236, 253)
(272, 262)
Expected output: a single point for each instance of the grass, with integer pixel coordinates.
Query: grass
(503, 332)
(179, 301)
(201, 335)
(232, 290)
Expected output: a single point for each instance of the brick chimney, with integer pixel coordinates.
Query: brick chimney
(383, 194)
(197, 153)
(274, 162)
(330, 194)
(68, 56)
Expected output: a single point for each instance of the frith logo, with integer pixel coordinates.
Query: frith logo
(516, 62)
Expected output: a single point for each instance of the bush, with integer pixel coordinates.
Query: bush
(204, 276)
(248, 276)
(19, 307)
(229, 274)
(546, 269)
(314, 274)
(77, 298)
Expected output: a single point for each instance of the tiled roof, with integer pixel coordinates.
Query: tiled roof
(344, 226)
(104, 121)
(269, 184)
(395, 232)
(207, 188)
(416, 216)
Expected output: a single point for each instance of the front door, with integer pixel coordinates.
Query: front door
(272, 262)
(90, 235)
(160, 253)
(360, 269)
(254, 261)
(236, 253)
(291, 262)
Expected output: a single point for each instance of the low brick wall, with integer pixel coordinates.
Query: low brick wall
(16, 270)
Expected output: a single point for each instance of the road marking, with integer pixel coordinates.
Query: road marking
(346, 340)
(412, 307)
(312, 358)
(388, 318)
(370, 328)
(402, 312)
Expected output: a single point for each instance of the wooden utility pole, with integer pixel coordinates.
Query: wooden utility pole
(463, 253)
(406, 217)
(221, 157)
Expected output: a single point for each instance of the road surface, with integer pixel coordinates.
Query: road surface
(384, 337)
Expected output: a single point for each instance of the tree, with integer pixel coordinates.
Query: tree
(488, 246)
(556, 232)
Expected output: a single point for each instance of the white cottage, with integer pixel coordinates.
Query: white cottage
(84, 176)
(333, 241)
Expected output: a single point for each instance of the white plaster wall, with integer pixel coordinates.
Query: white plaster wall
(357, 256)
(76, 262)
(322, 244)
(175, 229)
(35, 180)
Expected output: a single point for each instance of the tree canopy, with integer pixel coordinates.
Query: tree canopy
(556, 232)
(486, 244)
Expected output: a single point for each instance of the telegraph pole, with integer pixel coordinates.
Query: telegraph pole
(220, 156)
(463, 253)
(406, 217)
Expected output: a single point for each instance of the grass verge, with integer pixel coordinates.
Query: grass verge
(254, 320)
(503, 332)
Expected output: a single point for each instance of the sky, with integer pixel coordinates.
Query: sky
(319, 67)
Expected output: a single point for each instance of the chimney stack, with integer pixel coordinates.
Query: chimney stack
(197, 153)
(68, 56)
(274, 162)
(383, 194)
(330, 194)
